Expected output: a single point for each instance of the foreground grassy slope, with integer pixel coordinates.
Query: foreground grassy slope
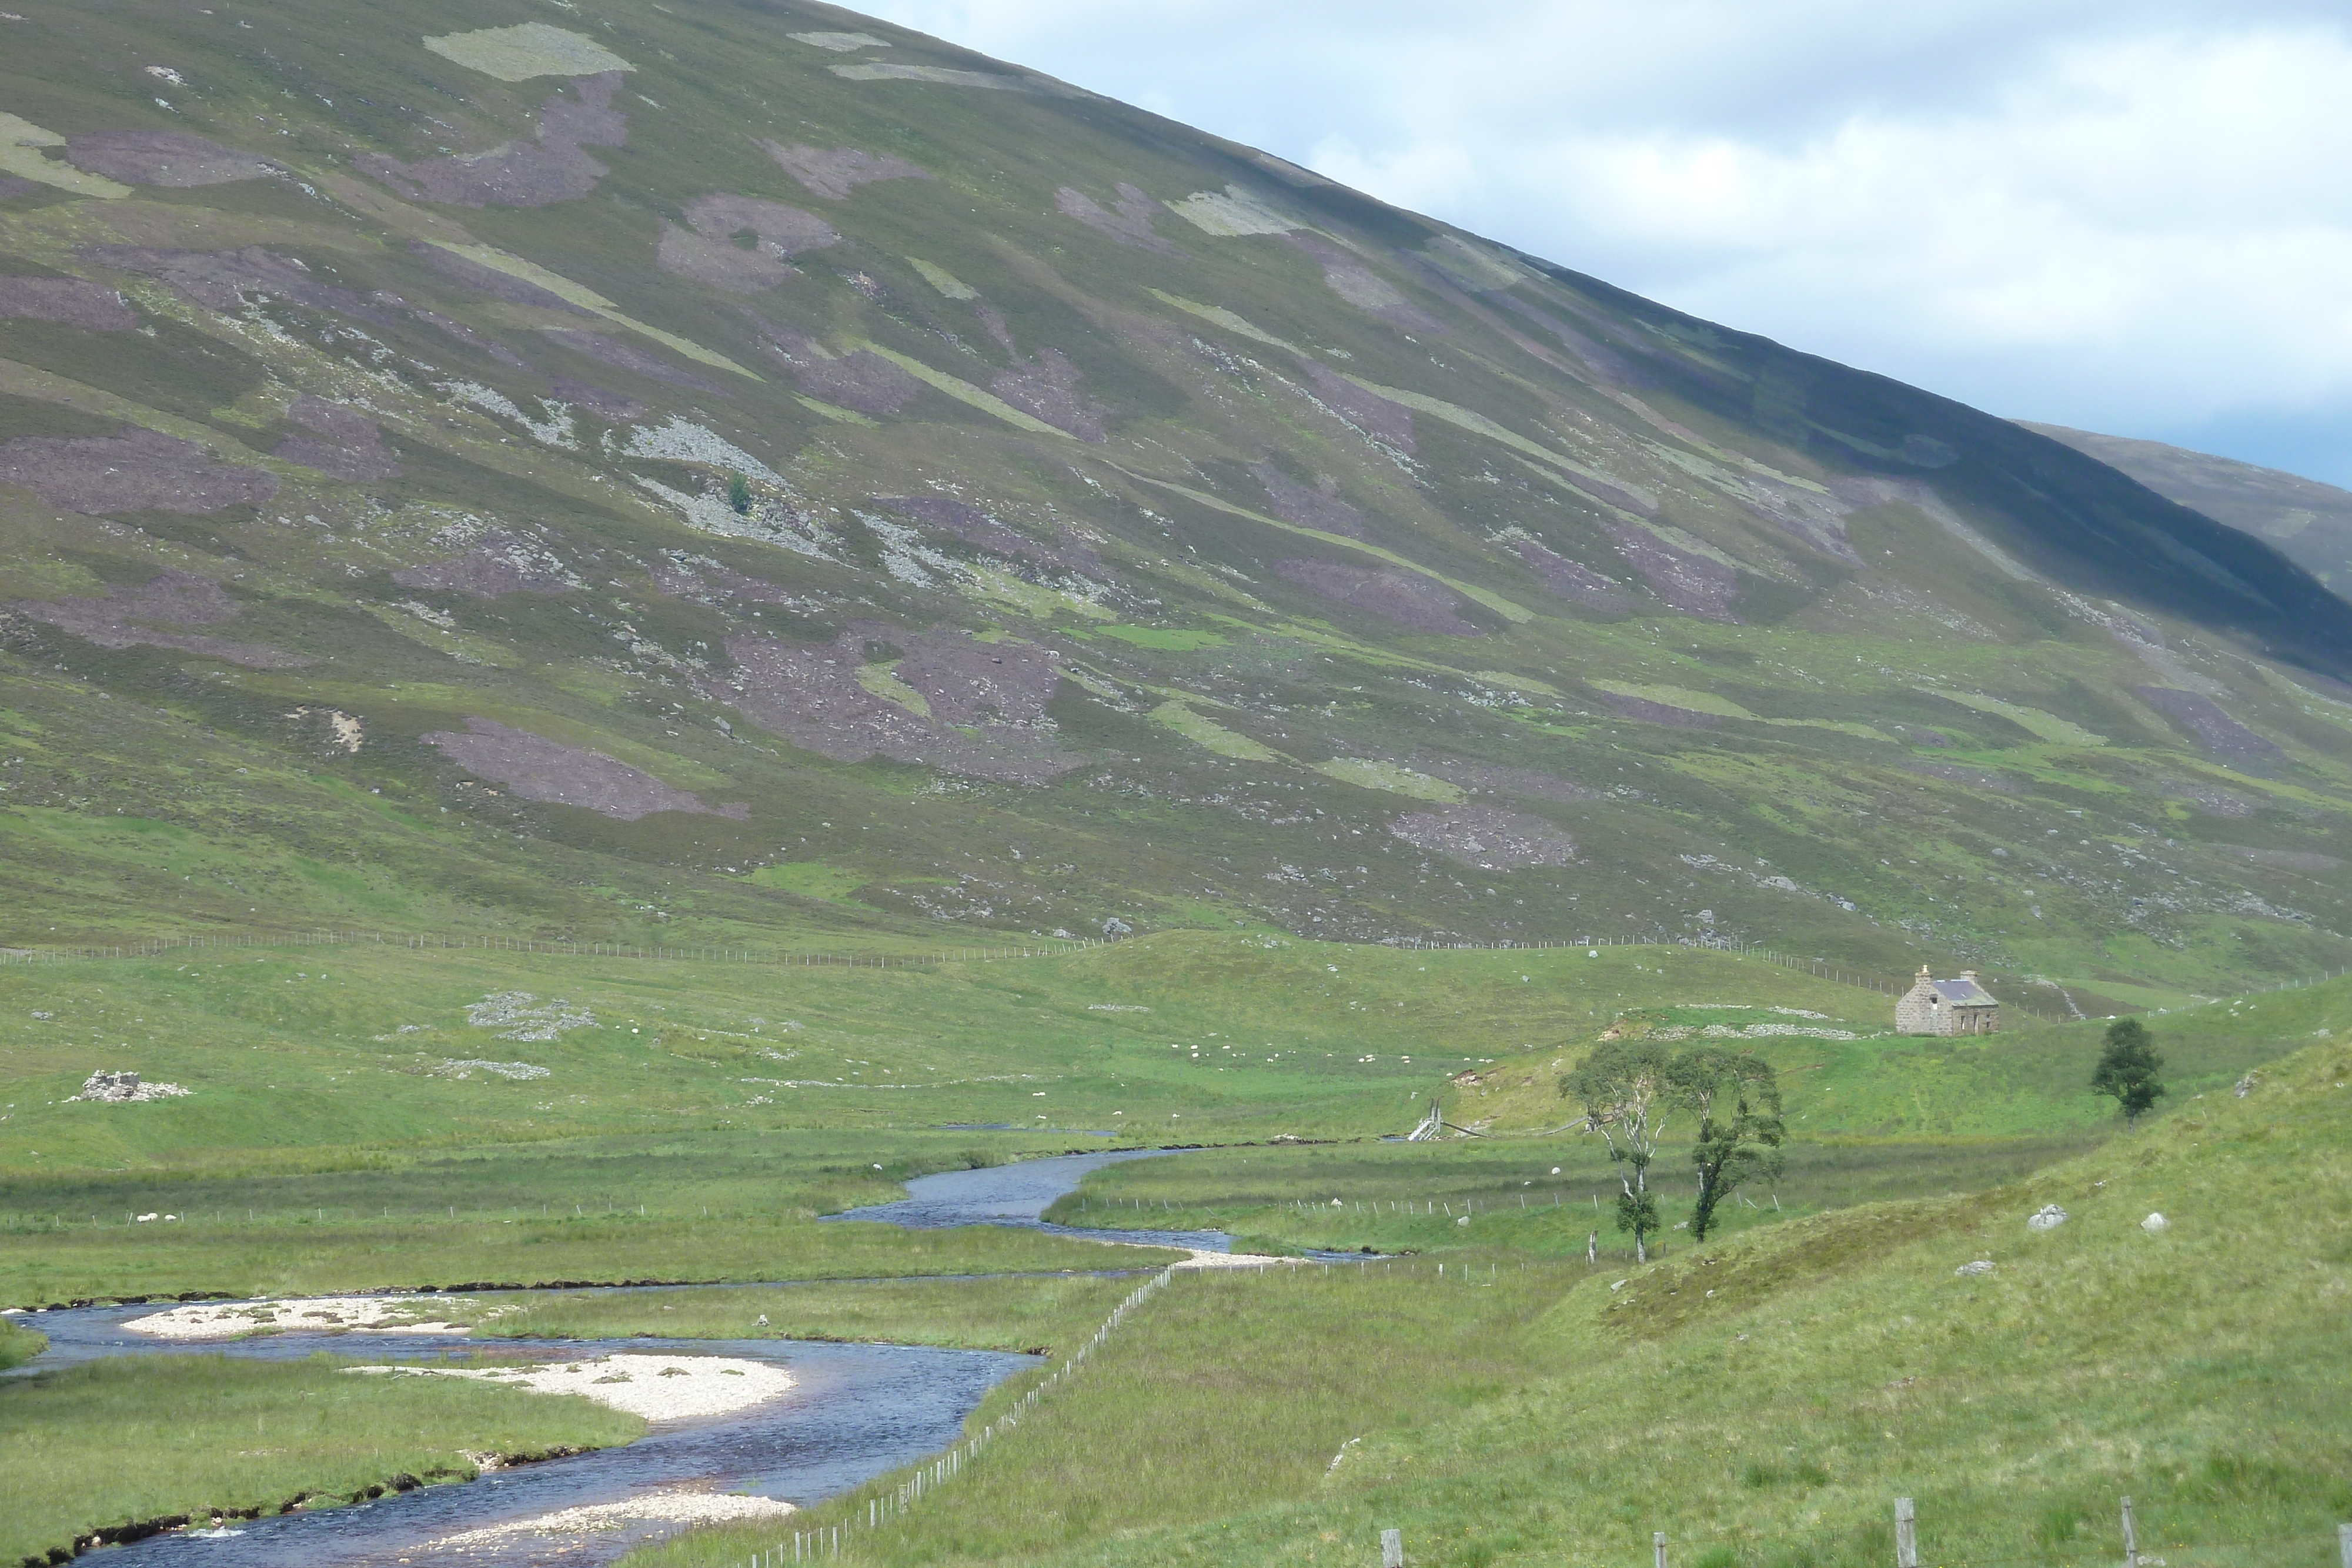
(118, 1443)
(1760, 1400)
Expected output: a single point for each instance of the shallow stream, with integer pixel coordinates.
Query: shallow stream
(857, 1411)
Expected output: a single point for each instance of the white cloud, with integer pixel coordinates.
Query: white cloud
(2125, 217)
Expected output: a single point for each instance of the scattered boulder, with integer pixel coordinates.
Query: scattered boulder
(2049, 1217)
(2156, 1225)
(1970, 1271)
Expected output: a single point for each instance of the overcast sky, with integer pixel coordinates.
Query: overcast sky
(2127, 215)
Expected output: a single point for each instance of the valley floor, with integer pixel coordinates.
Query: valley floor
(1473, 1380)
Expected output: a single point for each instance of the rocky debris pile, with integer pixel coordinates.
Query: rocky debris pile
(125, 1088)
(515, 1016)
(2049, 1217)
(516, 1070)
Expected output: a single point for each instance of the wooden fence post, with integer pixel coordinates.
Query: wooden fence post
(1907, 1534)
(2131, 1537)
(1391, 1549)
(2343, 1544)
(1658, 1540)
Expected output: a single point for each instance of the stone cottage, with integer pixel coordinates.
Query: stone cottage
(1947, 1007)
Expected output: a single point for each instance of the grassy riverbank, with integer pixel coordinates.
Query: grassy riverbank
(234, 1259)
(117, 1444)
(1761, 1400)
(1021, 1314)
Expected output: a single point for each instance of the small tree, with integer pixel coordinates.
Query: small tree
(739, 494)
(2127, 1069)
(1625, 1089)
(1738, 1101)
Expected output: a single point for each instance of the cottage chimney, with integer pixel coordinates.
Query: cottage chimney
(1970, 975)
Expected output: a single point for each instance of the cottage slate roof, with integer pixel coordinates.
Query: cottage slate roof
(1965, 994)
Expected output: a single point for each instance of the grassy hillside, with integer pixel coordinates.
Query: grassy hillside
(456, 478)
(1760, 1400)
(2310, 522)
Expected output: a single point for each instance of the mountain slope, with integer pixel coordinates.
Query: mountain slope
(2306, 521)
(753, 470)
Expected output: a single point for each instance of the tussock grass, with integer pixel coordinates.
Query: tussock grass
(117, 1444)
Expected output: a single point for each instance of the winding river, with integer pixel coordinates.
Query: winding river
(857, 1411)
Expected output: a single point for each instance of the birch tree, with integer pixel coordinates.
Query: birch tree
(1626, 1090)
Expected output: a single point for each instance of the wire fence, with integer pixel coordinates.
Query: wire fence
(881, 1507)
(446, 942)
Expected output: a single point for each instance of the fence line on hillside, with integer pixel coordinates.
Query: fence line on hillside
(157, 948)
(880, 1508)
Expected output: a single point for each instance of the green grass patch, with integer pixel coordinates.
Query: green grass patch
(126, 1445)
(1017, 1314)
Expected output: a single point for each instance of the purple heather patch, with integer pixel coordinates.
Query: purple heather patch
(1611, 368)
(75, 302)
(1405, 597)
(500, 563)
(538, 768)
(123, 618)
(1044, 386)
(137, 471)
(974, 525)
(1127, 220)
(705, 251)
(229, 279)
(863, 380)
(596, 399)
(2224, 736)
(625, 357)
(809, 694)
(2207, 798)
(170, 158)
(1359, 285)
(1567, 579)
(1487, 837)
(1649, 712)
(455, 329)
(707, 583)
(520, 173)
(351, 448)
(1388, 423)
(1693, 584)
(489, 280)
(834, 172)
(1317, 507)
